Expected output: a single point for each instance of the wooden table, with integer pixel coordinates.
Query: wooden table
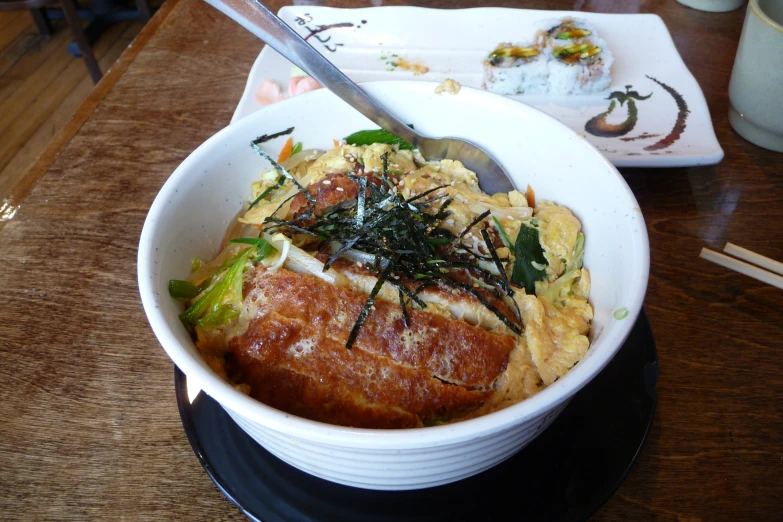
(89, 426)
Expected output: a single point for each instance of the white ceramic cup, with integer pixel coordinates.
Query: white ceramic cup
(756, 87)
(716, 6)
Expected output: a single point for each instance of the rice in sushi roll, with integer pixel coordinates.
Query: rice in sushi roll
(567, 57)
(579, 60)
(514, 69)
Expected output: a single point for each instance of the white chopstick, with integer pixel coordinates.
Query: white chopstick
(752, 257)
(742, 267)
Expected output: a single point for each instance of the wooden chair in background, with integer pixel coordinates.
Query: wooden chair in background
(39, 11)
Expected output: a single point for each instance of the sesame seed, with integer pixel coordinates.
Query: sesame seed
(339, 189)
(327, 182)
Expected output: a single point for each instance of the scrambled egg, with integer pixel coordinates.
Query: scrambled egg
(450, 86)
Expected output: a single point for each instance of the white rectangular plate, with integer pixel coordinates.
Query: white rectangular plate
(673, 126)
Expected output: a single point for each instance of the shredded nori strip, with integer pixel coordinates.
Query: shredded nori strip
(496, 259)
(492, 308)
(405, 316)
(282, 171)
(498, 264)
(368, 304)
(407, 242)
(267, 137)
(385, 175)
(475, 222)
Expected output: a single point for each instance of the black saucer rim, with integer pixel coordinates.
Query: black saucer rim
(190, 431)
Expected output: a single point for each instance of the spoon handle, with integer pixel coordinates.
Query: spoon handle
(259, 20)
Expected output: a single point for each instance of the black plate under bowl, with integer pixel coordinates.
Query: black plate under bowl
(566, 473)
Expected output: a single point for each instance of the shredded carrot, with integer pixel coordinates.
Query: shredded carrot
(336, 143)
(285, 153)
(531, 197)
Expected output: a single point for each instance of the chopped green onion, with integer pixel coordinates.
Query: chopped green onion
(297, 148)
(227, 291)
(266, 192)
(263, 246)
(180, 289)
(620, 314)
(503, 236)
(578, 255)
(222, 315)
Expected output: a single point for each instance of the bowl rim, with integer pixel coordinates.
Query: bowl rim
(330, 435)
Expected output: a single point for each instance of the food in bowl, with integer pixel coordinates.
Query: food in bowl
(364, 286)
(196, 204)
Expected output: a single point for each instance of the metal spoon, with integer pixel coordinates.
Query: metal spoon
(257, 19)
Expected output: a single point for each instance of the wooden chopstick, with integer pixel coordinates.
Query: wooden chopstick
(742, 267)
(752, 257)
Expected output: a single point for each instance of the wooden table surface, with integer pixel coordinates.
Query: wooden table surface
(89, 425)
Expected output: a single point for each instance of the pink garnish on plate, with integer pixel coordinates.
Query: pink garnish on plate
(269, 92)
(302, 84)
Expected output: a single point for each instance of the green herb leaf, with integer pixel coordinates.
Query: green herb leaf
(527, 250)
(368, 137)
(180, 289)
(297, 148)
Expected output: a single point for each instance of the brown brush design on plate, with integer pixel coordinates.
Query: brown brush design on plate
(315, 32)
(679, 123)
(642, 136)
(598, 126)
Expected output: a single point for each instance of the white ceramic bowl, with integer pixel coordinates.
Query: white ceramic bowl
(194, 207)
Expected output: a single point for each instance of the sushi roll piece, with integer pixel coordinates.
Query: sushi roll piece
(579, 61)
(516, 69)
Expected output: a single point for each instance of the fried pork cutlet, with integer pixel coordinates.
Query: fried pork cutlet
(293, 356)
